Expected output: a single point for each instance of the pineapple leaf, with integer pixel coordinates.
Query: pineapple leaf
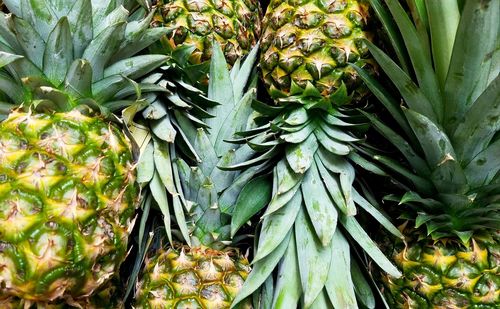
(78, 80)
(339, 284)
(163, 129)
(439, 152)
(361, 237)
(402, 145)
(375, 213)
(100, 50)
(58, 54)
(31, 42)
(145, 166)
(8, 58)
(248, 203)
(481, 123)
(414, 96)
(362, 288)
(366, 165)
(228, 198)
(333, 186)
(315, 257)
(300, 135)
(319, 206)
(420, 58)
(135, 67)
(261, 271)
(160, 196)
(162, 160)
(288, 290)
(485, 166)
(444, 17)
(80, 20)
(321, 301)
(244, 73)
(11, 89)
(475, 42)
(330, 143)
(40, 15)
(300, 156)
(276, 226)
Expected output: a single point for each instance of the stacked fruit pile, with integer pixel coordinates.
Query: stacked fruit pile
(204, 154)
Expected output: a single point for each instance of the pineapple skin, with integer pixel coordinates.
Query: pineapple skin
(312, 42)
(197, 277)
(234, 24)
(446, 274)
(67, 200)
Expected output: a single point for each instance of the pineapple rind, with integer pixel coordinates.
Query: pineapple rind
(72, 193)
(197, 277)
(234, 24)
(312, 42)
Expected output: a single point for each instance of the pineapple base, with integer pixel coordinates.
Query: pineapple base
(446, 275)
(192, 278)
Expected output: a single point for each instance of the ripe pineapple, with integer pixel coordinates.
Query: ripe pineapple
(312, 42)
(450, 127)
(68, 192)
(234, 24)
(206, 273)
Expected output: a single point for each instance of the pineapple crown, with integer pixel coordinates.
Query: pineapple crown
(448, 78)
(57, 55)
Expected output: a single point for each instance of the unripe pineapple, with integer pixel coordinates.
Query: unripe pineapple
(192, 278)
(311, 42)
(234, 24)
(68, 189)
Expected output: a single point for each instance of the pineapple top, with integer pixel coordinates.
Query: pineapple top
(451, 116)
(60, 54)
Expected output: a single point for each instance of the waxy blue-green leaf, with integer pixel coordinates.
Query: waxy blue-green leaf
(340, 135)
(412, 94)
(206, 151)
(314, 258)
(475, 42)
(321, 302)
(485, 166)
(419, 55)
(160, 196)
(241, 79)
(297, 117)
(40, 15)
(330, 144)
(287, 178)
(319, 206)
(80, 20)
(8, 58)
(375, 213)
(101, 48)
(300, 156)
(361, 237)
(155, 111)
(288, 290)
(135, 67)
(31, 42)
(299, 136)
(118, 15)
(480, 124)
(362, 288)
(276, 226)
(366, 165)
(78, 81)
(339, 284)
(281, 199)
(333, 185)
(163, 129)
(163, 165)
(180, 218)
(261, 271)
(146, 165)
(11, 88)
(228, 198)
(254, 196)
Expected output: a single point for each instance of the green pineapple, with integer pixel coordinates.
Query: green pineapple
(185, 183)
(68, 189)
(311, 137)
(234, 24)
(449, 136)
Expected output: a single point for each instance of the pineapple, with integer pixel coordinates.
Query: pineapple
(207, 272)
(449, 136)
(68, 192)
(312, 42)
(311, 137)
(234, 24)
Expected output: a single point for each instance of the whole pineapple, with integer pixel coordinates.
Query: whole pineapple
(312, 42)
(207, 272)
(234, 24)
(449, 137)
(68, 189)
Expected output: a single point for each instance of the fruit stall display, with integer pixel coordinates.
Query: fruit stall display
(249, 154)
